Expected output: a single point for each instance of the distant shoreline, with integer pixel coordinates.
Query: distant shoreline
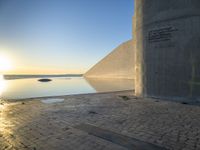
(12, 77)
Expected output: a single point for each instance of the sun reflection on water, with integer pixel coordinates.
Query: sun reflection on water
(2, 85)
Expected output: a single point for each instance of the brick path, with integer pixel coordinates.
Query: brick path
(38, 126)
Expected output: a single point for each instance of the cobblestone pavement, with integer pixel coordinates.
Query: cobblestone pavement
(35, 125)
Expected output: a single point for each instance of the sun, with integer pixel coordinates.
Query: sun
(5, 63)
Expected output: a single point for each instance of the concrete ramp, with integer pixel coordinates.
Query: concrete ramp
(118, 64)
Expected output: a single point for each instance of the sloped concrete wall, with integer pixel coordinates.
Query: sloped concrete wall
(118, 64)
(167, 35)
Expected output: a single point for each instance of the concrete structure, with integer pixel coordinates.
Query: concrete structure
(118, 64)
(164, 52)
(167, 35)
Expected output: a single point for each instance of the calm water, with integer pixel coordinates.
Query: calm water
(28, 88)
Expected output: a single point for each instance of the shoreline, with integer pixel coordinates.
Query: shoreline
(20, 76)
(121, 92)
(62, 96)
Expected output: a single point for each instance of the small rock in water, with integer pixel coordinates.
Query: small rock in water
(44, 80)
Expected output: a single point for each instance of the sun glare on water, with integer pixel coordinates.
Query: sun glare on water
(2, 85)
(5, 63)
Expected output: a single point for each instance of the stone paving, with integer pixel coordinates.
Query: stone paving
(32, 124)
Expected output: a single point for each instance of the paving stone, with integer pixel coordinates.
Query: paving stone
(40, 126)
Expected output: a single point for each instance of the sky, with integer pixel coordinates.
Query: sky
(61, 36)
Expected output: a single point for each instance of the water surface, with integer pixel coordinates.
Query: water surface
(30, 87)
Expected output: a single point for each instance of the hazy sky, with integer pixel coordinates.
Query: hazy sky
(62, 36)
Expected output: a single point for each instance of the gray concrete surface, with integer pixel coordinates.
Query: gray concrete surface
(167, 36)
(118, 64)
